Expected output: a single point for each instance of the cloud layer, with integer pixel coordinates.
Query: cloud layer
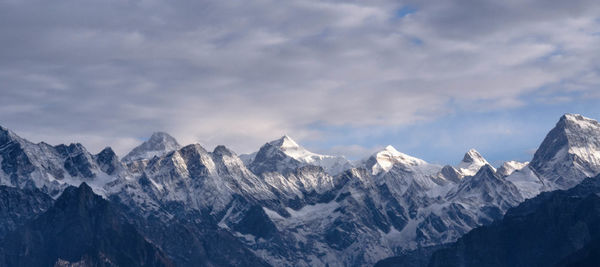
(244, 72)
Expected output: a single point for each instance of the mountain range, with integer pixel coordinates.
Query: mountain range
(282, 205)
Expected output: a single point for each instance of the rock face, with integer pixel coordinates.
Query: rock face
(18, 206)
(560, 227)
(80, 227)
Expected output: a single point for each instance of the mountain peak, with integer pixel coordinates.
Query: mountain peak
(162, 138)
(82, 195)
(471, 163)
(285, 142)
(107, 160)
(391, 149)
(577, 121)
(385, 159)
(575, 117)
(223, 150)
(159, 144)
(107, 152)
(486, 170)
(7, 135)
(285, 154)
(473, 156)
(509, 167)
(391, 152)
(570, 152)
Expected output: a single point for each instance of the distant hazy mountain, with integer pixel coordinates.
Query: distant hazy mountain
(159, 144)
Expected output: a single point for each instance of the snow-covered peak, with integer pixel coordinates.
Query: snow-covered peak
(389, 152)
(473, 156)
(288, 146)
(6, 135)
(570, 152)
(162, 140)
(159, 144)
(580, 120)
(223, 150)
(471, 163)
(385, 159)
(285, 154)
(509, 167)
(285, 142)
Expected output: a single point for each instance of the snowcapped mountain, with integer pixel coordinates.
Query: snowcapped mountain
(569, 153)
(488, 188)
(53, 168)
(160, 143)
(284, 154)
(289, 206)
(471, 163)
(389, 157)
(401, 172)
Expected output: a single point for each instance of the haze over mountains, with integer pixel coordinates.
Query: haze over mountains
(282, 205)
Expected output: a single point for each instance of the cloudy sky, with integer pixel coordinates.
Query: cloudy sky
(432, 78)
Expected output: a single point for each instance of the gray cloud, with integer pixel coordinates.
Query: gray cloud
(243, 72)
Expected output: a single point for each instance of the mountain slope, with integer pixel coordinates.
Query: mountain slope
(81, 227)
(17, 206)
(510, 167)
(539, 232)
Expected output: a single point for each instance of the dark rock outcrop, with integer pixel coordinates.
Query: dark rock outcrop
(83, 228)
(17, 206)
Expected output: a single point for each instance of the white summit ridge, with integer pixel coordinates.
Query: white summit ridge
(471, 163)
(286, 145)
(389, 156)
